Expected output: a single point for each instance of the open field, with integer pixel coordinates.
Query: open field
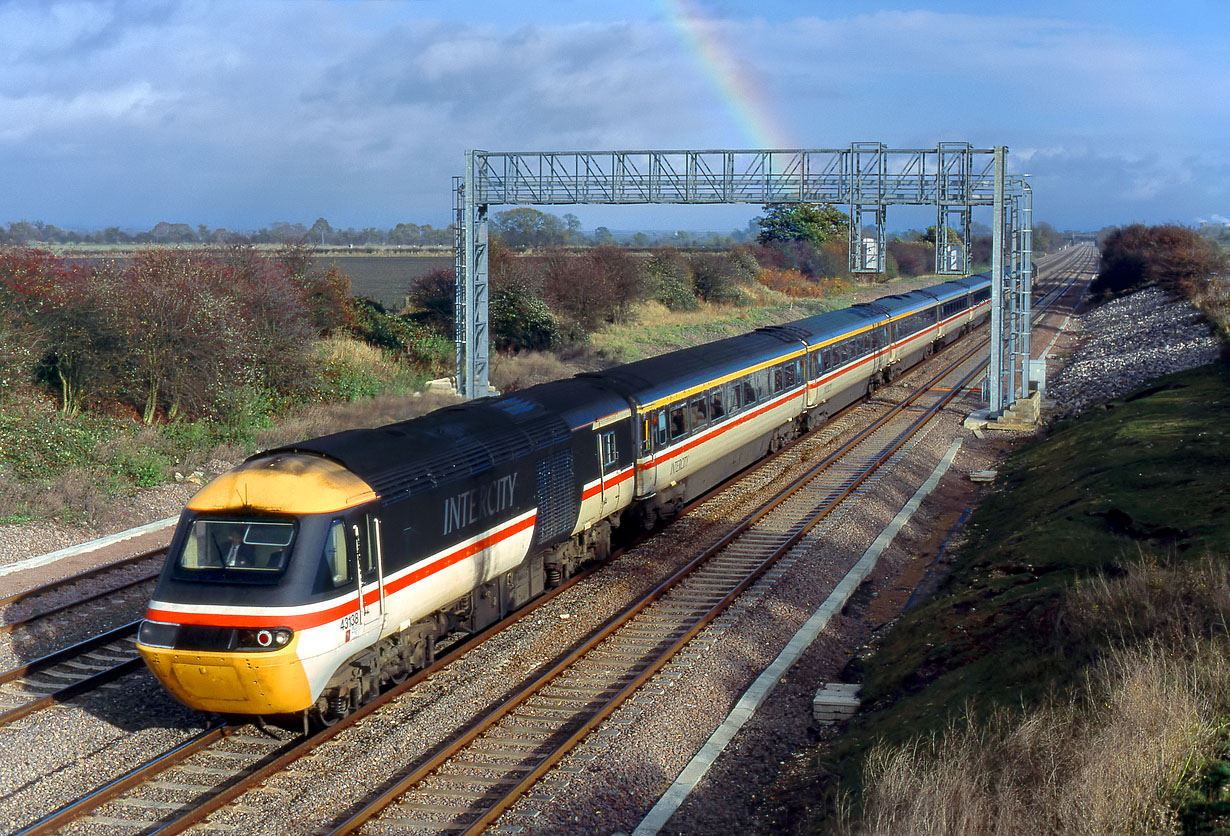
(386, 278)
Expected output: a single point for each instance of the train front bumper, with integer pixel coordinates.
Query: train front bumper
(264, 682)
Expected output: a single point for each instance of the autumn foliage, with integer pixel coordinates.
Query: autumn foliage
(1175, 257)
(169, 332)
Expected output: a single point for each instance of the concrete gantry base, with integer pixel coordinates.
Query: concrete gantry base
(1022, 416)
(835, 702)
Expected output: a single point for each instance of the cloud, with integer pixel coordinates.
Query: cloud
(212, 111)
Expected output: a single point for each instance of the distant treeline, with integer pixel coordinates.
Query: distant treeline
(21, 233)
(521, 228)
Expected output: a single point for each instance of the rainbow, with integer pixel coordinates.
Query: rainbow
(748, 105)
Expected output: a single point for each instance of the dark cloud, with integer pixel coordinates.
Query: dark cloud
(237, 114)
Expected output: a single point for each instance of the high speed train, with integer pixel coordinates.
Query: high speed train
(302, 581)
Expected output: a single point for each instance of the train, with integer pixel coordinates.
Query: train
(302, 582)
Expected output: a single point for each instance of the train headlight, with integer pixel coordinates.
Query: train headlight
(265, 638)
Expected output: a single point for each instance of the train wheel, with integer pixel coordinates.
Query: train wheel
(327, 712)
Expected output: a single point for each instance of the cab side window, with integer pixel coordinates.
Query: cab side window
(337, 565)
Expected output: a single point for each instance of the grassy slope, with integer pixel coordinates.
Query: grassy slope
(1148, 474)
(655, 329)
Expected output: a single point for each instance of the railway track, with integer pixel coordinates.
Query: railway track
(466, 786)
(180, 788)
(25, 608)
(68, 672)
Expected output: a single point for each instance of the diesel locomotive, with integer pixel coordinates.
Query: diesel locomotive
(304, 580)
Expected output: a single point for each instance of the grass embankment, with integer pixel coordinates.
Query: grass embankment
(83, 468)
(1072, 674)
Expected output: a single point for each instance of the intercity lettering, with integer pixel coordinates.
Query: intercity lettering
(470, 506)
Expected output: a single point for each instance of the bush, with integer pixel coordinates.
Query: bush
(433, 300)
(715, 279)
(594, 288)
(424, 349)
(913, 258)
(670, 279)
(520, 321)
(793, 283)
(1178, 258)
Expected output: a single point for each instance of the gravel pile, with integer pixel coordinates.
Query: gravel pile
(1127, 342)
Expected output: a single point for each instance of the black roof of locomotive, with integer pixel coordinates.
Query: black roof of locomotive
(460, 441)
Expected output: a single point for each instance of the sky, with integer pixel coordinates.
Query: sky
(241, 114)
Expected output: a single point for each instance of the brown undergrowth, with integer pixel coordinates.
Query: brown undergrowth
(1118, 753)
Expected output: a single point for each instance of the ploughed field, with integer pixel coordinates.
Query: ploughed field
(386, 278)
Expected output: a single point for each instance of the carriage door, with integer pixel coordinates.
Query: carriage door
(653, 441)
(608, 463)
(366, 534)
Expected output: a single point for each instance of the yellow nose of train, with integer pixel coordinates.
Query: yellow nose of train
(268, 682)
(213, 635)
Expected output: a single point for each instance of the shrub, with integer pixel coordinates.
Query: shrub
(433, 300)
(913, 258)
(793, 283)
(596, 287)
(1176, 257)
(520, 321)
(670, 279)
(715, 279)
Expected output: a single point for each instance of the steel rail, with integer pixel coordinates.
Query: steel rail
(69, 652)
(71, 690)
(134, 777)
(8, 626)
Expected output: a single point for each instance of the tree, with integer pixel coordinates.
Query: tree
(526, 227)
(815, 223)
(320, 229)
(951, 236)
(573, 224)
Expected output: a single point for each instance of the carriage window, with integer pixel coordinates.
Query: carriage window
(645, 438)
(679, 421)
(700, 412)
(609, 453)
(736, 395)
(661, 428)
(716, 406)
(788, 374)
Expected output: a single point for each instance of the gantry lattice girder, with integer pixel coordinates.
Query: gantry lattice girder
(865, 178)
(865, 173)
